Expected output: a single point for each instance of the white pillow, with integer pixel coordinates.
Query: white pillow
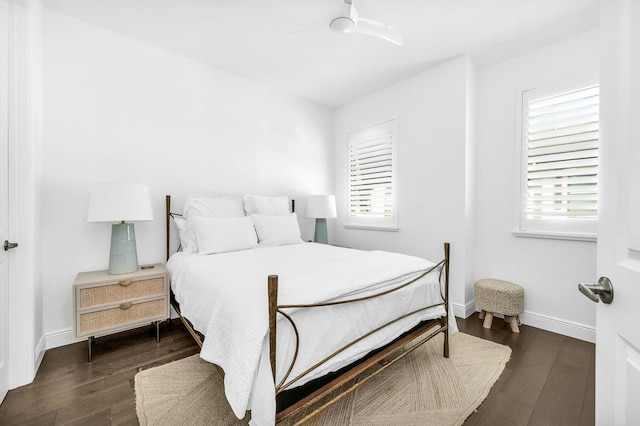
(223, 234)
(213, 207)
(185, 233)
(273, 206)
(207, 207)
(277, 230)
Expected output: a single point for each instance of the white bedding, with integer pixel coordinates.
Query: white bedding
(225, 297)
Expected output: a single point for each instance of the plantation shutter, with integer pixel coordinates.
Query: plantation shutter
(372, 175)
(562, 156)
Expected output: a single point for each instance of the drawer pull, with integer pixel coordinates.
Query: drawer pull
(125, 283)
(125, 305)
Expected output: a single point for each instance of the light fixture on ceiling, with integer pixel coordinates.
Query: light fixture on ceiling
(348, 21)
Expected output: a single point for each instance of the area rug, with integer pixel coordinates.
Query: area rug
(421, 388)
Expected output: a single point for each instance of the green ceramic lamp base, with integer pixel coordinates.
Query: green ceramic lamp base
(124, 256)
(320, 235)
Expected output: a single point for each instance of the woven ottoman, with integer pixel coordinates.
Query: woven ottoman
(502, 297)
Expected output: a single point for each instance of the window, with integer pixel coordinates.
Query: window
(373, 183)
(559, 179)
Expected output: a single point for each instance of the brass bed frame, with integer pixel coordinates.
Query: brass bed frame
(381, 358)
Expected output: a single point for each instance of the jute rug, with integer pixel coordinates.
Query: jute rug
(422, 388)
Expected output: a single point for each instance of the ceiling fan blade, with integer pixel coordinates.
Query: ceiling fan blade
(378, 29)
(302, 28)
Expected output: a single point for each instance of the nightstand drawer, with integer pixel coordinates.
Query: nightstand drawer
(121, 315)
(120, 291)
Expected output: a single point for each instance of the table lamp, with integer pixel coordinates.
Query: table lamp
(321, 207)
(123, 203)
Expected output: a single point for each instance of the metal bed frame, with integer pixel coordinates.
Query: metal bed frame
(363, 369)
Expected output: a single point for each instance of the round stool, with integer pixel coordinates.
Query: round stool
(502, 297)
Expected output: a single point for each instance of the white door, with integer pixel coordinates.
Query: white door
(4, 201)
(618, 323)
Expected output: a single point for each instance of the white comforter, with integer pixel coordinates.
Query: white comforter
(225, 297)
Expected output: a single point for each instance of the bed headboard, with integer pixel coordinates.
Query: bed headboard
(169, 214)
(168, 222)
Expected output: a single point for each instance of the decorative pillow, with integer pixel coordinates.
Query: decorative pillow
(223, 234)
(273, 206)
(207, 207)
(277, 230)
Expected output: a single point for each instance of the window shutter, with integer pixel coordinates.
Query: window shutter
(372, 176)
(562, 156)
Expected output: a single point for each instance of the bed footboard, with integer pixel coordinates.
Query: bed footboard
(385, 357)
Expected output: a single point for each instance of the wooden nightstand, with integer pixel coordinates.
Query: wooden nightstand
(104, 304)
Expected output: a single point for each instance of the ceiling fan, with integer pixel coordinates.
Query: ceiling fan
(349, 22)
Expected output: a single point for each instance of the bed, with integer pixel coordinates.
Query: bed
(278, 314)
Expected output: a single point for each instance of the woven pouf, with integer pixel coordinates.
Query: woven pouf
(502, 297)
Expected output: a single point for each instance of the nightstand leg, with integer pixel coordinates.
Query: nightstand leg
(157, 331)
(90, 344)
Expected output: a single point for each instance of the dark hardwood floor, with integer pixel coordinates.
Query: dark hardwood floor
(549, 379)
(68, 390)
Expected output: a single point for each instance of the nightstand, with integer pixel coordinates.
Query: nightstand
(104, 304)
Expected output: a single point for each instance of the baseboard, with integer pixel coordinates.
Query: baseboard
(560, 326)
(463, 311)
(65, 337)
(60, 338)
(544, 322)
(566, 328)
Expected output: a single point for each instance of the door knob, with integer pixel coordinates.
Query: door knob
(596, 292)
(8, 246)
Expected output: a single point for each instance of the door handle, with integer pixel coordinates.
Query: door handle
(8, 246)
(596, 292)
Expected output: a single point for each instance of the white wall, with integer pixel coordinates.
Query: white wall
(433, 115)
(458, 141)
(120, 110)
(549, 270)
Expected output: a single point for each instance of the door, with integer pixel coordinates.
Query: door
(618, 323)
(4, 201)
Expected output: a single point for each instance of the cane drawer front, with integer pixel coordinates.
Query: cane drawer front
(122, 290)
(121, 315)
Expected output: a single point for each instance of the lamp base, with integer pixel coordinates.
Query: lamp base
(320, 235)
(123, 257)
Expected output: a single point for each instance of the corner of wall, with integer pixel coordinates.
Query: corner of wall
(470, 179)
(40, 350)
(464, 310)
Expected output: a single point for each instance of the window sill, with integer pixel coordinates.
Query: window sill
(373, 228)
(573, 236)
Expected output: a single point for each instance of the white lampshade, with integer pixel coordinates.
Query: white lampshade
(321, 206)
(117, 202)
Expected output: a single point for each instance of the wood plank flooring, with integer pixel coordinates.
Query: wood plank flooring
(549, 380)
(68, 390)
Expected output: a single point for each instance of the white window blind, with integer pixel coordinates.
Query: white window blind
(372, 176)
(561, 139)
